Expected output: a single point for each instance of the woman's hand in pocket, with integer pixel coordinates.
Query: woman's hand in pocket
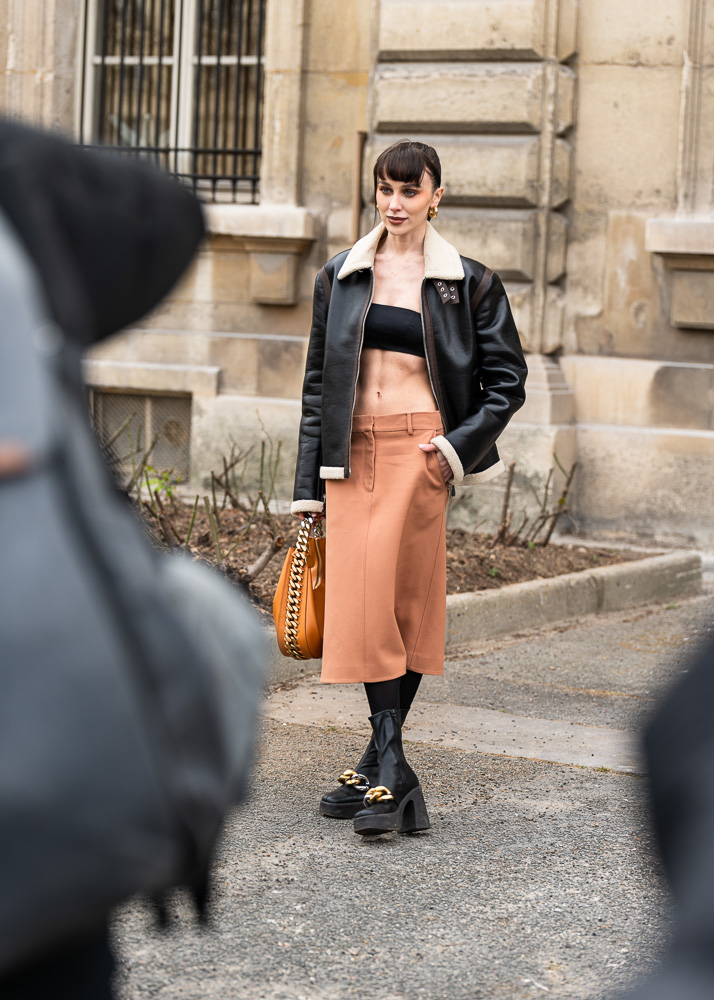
(443, 464)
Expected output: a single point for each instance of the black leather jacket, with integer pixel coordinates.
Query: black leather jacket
(473, 354)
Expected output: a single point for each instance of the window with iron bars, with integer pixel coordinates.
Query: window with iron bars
(181, 83)
(143, 429)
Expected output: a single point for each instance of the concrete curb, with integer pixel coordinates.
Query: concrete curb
(488, 614)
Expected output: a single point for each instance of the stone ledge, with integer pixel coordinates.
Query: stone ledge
(262, 223)
(199, 380)
(685, 236)
(491, 613)
(274, 236)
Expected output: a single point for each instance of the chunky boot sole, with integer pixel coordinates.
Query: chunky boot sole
(409, 816)
(342, 810)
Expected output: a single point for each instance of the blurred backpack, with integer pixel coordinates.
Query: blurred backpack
(129, 681)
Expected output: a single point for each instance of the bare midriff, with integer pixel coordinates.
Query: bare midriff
(391, 382)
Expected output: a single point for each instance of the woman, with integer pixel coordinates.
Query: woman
(414, 368)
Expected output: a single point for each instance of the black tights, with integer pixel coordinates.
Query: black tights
(397, 693)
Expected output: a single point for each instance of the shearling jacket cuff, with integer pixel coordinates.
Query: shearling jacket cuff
(449, 453)
(298, 507)
(459, 479)
(474, 478)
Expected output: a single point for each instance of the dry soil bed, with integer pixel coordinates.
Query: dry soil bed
(473, 561)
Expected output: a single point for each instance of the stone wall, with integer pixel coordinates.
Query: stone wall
(246, 304)
(38, 61)
(577, 141)
(492, 86)
(640, 252)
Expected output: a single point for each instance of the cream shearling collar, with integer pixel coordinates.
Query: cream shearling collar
(441, 260)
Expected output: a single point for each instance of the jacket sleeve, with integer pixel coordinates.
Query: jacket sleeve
(500, 384)
(307, 494)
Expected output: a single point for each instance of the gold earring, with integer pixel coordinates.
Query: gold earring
(433, 211)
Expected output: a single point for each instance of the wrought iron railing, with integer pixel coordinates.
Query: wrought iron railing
(179, 82)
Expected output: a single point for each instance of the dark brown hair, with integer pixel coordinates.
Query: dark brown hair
(406, 161)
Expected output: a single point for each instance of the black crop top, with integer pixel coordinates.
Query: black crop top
(391, 328)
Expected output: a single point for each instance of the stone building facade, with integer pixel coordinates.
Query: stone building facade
(577, 143)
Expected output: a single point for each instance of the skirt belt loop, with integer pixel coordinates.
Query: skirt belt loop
(410, 426)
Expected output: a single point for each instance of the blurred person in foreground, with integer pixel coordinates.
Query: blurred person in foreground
(129, 681)
(679, 744)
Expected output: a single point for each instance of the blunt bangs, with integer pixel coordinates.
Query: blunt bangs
(406, 161)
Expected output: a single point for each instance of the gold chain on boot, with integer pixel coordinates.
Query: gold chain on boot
(379, 794)
(359, 782)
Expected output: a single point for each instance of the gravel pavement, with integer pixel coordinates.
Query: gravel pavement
(537, 878)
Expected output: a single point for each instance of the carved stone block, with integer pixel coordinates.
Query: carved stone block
(504, 240)
(639, 481)
(549, 399)
(461, 29)
(486, 170)
(553, 319)
(638, 393)
(466, 97)
(693, 299)
(272, 278)
(687, 246)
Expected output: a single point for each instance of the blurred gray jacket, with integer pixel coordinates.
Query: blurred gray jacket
(129, 681)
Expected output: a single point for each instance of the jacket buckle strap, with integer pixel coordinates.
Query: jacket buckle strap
(448, 291)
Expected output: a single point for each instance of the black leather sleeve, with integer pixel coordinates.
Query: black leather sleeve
(500, 376)
(307, 471)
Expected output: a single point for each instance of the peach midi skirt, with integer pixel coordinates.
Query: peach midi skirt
(385, 600)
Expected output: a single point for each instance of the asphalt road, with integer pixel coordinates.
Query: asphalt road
(537, 878)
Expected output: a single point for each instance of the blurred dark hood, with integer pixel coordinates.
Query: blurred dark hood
(109, 236)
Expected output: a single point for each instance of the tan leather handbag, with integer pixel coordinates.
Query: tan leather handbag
(299, 602)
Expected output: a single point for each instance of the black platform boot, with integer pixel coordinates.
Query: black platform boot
(348, 799)
(397, 802)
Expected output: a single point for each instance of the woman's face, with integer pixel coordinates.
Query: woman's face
(404, 207)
